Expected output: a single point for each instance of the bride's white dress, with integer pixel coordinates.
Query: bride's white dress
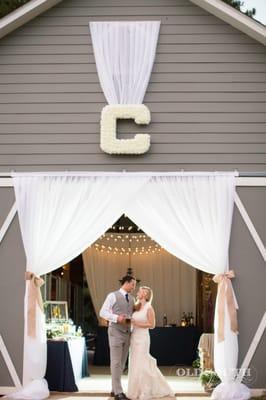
(145, 380)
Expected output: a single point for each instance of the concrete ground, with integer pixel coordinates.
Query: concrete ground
(97, 386)
(181, 380)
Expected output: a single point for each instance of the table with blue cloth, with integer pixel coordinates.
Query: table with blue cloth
(169, 345)
(66, 363)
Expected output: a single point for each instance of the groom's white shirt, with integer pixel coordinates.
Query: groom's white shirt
(106, 310)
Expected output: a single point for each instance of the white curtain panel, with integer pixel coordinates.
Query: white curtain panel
(172, 280)
(191, 217)
(59, 217)
(189, 214)
(124, 54)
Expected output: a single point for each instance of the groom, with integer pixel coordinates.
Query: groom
(117, 308)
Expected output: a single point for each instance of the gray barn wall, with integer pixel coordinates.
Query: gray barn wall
(12, 269)
(207, 98)
(250, 282)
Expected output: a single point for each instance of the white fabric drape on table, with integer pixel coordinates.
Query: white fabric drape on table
(124, 54)
(189, 214)
(172, 280)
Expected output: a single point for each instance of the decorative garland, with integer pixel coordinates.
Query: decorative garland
(109, 143)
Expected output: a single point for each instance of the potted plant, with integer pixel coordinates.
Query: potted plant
(209, 380)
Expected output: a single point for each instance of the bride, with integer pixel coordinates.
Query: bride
(145, 380)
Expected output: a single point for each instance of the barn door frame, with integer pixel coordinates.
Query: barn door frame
(240, 182)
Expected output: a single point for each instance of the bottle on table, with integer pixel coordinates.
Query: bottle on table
(164, 320)
(183, 321)
(191, 321)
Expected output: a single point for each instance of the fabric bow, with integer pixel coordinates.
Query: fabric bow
(34, 298)
(226, 295)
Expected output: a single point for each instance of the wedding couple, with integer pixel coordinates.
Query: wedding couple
(129, 325)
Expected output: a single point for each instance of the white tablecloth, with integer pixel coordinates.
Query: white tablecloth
(76, 350)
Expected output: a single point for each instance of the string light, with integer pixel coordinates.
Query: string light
(123, 228)
(125, 236)
(127, 251)
(138, 244)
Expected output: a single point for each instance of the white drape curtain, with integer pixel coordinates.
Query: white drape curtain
(193, 217)
(124, 54)
(172, 280)
(59, 217)
(76, 210)
(189, 214)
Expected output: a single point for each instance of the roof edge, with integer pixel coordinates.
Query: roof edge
(24, 14)
(235, 18)
(218, 8)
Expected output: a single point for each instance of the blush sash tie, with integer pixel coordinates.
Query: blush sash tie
(34, 299)
(226, 296)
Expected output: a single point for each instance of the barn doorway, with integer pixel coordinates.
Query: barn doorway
(83, 284)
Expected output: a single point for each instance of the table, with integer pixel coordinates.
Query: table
(170, 346)
(66, 364)
(174, 345)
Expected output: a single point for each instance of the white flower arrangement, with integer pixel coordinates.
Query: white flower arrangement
(109, 143)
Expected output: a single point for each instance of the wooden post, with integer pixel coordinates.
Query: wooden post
(10, 367)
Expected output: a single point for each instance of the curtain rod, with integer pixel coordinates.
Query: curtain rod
(143, 173)
(120, 173)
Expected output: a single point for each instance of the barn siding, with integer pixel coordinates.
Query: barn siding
(207, 92)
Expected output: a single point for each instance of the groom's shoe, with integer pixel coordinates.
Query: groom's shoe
(121, 396)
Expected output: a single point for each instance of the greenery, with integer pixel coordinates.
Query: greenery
(196, 363)
(238, 4)
(209, 379)
(51, 334)
(6, 6)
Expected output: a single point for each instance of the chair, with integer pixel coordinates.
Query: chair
(205, 346)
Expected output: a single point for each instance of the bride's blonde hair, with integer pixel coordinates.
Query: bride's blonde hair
(149, 292)
(148, 298)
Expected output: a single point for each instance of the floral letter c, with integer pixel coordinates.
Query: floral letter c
(109, 143)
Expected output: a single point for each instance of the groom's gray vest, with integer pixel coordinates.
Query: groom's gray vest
(121, 306)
